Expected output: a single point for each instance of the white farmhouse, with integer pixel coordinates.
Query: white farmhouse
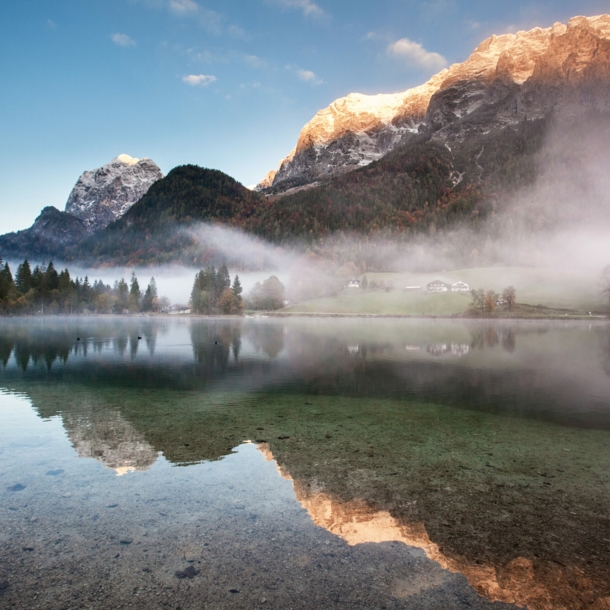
(460, 287)
(438, 286)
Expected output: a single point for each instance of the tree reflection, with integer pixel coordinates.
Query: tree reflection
(267, 337)
(213, 341)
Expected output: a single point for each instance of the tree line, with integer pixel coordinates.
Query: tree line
(486, 301)
(44, 290)
(213, 293)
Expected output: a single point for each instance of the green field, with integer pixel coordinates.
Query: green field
(551, 288)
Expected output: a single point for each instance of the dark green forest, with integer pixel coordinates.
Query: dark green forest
(44, 290)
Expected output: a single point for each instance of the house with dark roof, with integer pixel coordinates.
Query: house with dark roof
(438, 286)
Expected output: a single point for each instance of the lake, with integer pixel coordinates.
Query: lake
(304, 463)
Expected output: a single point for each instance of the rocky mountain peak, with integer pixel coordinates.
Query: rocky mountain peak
(506, 78)
(102, 195)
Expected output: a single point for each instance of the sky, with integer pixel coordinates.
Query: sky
(224, 84)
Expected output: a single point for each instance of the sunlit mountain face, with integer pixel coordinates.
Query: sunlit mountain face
(507, 79)
(481, 446)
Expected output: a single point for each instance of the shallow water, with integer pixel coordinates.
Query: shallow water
(190, 463)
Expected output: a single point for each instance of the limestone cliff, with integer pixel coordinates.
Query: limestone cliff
(105, 194)
(506, 79)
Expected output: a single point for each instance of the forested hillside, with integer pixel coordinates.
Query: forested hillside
(423, 188)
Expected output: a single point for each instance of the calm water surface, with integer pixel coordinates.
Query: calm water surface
(266, 463)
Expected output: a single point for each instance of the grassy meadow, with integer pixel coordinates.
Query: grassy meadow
(575, 291)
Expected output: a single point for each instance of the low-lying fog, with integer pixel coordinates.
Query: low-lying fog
(560, 223)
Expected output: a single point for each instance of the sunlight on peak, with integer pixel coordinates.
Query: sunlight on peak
(127, 159)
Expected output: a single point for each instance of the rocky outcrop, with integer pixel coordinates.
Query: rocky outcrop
(52, 232)
(506, 79)
(105, 194)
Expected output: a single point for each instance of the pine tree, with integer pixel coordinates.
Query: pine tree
(150, 296)
(122, 292)
(135, 294)
(51, 279)
(223, 279)
(237, 289)
(6, 281)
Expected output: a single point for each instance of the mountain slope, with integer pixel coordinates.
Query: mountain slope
(53, 233)
(565, 68)
(105, 194)
(154, 230)
(422, 187)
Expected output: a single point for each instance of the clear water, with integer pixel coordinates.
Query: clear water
(266, 463)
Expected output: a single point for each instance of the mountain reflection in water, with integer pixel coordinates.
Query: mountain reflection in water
(484, 444)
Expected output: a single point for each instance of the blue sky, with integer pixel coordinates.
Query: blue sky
(223, 84)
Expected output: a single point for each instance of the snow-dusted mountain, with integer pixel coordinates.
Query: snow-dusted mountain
(507, 78)
(105, 194)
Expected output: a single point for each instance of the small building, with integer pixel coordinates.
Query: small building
(412, 288)
(460, 287)
(438, 286)
(353, 283)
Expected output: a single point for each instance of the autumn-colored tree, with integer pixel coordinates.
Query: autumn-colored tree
(509, 295)
(229, 304)
(489, 301)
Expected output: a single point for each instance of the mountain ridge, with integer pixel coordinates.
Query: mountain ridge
(504, 73)
(102, 195)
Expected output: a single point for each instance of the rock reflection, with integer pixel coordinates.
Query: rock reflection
(104, 435)
(538, 586)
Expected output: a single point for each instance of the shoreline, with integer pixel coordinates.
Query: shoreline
(287, 314)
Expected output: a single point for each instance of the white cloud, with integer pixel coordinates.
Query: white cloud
(415, 55)
(309, 8)
(183, 7)
(199, 80)
(307, 76)
(123, 40)
(51, 24)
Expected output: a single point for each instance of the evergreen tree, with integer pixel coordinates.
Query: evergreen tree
(135, 294)
(23, 277)
(122, 292)
(150, 296)
(37, 280)
(6, 281)
(223, 279)
(237, 289)
(51, 279)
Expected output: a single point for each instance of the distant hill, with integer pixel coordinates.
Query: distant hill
(155, 230)
(52, 235)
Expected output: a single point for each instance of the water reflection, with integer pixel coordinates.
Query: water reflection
(511, 488)
(521, 581)
(536, 369)
(103, 434)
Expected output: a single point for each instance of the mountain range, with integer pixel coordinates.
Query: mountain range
(506, 80)
(452, 152)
